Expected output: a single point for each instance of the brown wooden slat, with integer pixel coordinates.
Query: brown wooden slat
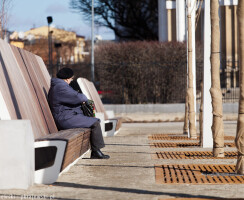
(66, 134)
(97, 98)
(7, 92)
(39, 119)
(36, 76)
(20, 89)
(45, 73)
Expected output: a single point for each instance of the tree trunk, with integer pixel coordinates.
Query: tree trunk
(217, 126)
(190, 94)
(186, 119)
(201, 116)
(240, 123)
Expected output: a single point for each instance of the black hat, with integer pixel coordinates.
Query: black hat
(65, 73)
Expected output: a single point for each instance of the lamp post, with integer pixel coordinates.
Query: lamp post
(57, 47)
(92, 45)
(49, 21)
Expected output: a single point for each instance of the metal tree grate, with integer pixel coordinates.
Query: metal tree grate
(192, 155)
(181, 144)
(197, 174)
(178, 137)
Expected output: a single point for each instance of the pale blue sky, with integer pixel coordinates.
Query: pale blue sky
(26, 14)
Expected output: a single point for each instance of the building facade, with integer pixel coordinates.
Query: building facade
(57, 47)
(173, 27)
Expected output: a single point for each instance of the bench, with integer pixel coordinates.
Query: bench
(24, 85)
(111, 124)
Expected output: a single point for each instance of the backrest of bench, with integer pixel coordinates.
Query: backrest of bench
(90, 91)
(24, 84)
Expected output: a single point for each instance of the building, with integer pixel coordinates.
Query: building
(66, 46)
(172, 27)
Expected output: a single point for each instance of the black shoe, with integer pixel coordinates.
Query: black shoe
(98, 155)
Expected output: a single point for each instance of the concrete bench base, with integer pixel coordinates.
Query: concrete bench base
(17, 154)
(57, 151)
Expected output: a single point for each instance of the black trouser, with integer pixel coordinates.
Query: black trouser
(96, 137)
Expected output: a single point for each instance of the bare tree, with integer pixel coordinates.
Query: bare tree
(5, 6)
(190, 94)
(217, 126)
(130, 20)
(240, 123)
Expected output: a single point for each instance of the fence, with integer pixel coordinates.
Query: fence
(229, 76)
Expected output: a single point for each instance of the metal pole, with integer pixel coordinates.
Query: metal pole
(49, 21)
(92, 45)
(207, 109)
(49, 51)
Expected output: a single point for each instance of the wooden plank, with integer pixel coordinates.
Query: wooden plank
(39, 118)
(7, 92)
(97, 98)
(38, 81)
(21, 90)
(44, 70)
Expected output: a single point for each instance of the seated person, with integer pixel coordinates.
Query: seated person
(65, 104)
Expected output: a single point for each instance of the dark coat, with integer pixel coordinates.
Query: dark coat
(65, 103)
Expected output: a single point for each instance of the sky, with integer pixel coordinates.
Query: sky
(27, 14)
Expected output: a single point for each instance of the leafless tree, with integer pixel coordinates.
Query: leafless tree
(130, 20)
(190, 94)
(216, 94)
(5, 6)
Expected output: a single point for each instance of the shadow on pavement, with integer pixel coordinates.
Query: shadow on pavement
(90, 165)
(135, 191)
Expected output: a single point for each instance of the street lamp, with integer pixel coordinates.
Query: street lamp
(49, 21)
(57, 47)
(92, 44)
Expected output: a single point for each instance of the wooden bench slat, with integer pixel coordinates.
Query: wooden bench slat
(39, 84)
(21, 92)
(65, 135)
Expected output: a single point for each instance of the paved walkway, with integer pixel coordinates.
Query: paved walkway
(129, 173)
